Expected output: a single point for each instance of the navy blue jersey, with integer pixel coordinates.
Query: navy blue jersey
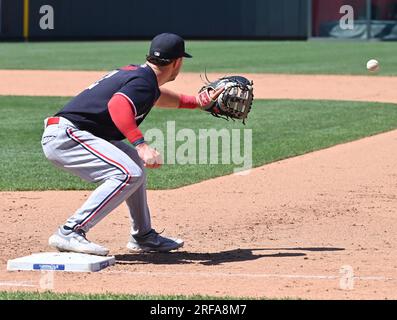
(89, 110)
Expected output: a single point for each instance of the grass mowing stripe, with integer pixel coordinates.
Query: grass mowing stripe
(307, 57)
(281, 129)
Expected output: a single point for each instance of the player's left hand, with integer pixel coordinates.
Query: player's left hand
(207, 97)
(234, 97)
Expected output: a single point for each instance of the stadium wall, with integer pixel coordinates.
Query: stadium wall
(133, 19)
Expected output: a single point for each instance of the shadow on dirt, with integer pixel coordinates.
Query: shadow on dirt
(307, 249)
(183, 257)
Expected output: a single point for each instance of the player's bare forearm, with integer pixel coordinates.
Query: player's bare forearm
(171, 99)
(168, 99)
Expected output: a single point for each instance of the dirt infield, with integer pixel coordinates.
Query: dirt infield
(287, 231)
(267, 86)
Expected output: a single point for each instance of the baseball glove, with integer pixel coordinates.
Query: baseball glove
(234, 102)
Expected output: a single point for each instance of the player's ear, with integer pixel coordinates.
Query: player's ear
(177, 62)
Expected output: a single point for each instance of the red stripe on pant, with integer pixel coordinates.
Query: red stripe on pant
(104, 204)
(116, 164)
(97, 152)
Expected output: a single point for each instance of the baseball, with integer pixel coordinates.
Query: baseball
(373, 65)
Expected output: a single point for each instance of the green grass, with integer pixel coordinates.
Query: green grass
(303, 57)
(20, 295)
(281, 129)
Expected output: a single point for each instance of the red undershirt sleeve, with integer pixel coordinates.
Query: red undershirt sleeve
(122, 113)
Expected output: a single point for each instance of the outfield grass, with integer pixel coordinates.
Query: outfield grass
(281, 129)
(303, 57)
(20, 295)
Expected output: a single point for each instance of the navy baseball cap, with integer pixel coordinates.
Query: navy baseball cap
(168, 46)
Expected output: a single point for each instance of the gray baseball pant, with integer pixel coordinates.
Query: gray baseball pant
(115, 165)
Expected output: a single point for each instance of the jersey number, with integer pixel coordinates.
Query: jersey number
(105, 77)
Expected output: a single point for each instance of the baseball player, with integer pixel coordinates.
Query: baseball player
(85, 139)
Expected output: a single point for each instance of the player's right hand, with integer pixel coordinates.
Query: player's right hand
(150, 157)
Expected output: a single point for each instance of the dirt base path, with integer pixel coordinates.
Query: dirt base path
(297, 223)
(267, 86)
(289, 232)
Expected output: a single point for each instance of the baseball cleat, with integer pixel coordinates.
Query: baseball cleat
(75, 241)
(153, 241)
